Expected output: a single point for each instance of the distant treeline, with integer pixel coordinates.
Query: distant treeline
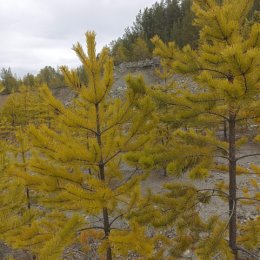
(171, 20)
(9, 82)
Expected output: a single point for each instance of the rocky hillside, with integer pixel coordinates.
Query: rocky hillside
(144, 67)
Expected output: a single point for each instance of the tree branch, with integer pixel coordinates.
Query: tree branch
(249, 155)
(215, 190)
(244, 198)
(223, 149)
(119, 216)
(213, 70)
(111, 157)
(247, 118)
(89, 228)
(247, 252)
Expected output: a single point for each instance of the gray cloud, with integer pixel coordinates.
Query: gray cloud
(35, 33)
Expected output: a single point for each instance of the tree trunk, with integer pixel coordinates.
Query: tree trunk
(107, 232)
(28, 198)
(27, 190)
(164, 171)
(232, 186)
(225, 131)
(106, 225)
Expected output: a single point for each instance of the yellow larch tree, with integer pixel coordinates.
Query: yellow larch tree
(226, 68)
(22, 108)
(24, 225)
(79, 165)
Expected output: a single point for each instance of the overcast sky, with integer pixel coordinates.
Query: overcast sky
(35, 33)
